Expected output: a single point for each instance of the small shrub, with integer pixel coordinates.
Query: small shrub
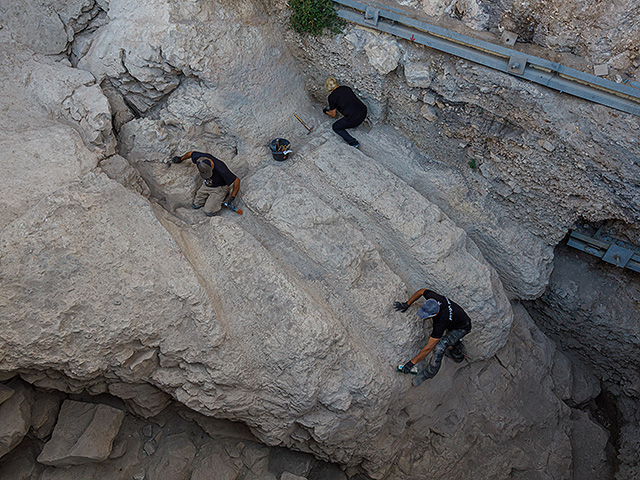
(472, 163)
(313, 16)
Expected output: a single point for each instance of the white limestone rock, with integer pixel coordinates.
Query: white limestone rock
(449, 261)
(178, 50)
(66, 93)
(42, 153)
(417, 74)
(110, 293)
(121, 170)
(383, 53)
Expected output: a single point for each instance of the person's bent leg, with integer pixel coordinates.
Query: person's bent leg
(340, 127)
(201, 197)
(436, 360)
(214, 202)
(456, 352)
(448, 340)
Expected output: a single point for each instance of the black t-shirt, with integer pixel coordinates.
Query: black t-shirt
(221, 173)
(450, 317)
(347, 104)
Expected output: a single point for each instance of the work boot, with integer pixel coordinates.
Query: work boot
(413, 371)
(195, 207)
(455, 353)
(211, 214)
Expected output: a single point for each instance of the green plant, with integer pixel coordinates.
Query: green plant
(313, 16)
(472, 163)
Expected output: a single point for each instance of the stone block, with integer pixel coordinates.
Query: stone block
(418, 74)
(45, 413)
(15, 418)
(546, 144)
(601, 70)
(253, 453)
(5, 392)
(429, 98)
(383, 54)
(429, 113)
(84, 434)
(213, 462)
(173, 460)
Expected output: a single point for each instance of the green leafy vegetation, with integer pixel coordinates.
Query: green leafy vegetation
(472, 163)
(313, 16)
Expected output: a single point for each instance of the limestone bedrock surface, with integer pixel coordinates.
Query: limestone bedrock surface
(281, 318)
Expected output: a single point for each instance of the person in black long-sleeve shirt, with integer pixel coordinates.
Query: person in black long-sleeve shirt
(447, 316)
(343, 100)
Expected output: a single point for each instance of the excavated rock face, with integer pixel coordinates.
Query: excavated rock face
(538, 167)
(281, 318)
(598, 32)
(591, 310)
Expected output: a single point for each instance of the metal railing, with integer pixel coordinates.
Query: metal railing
(393, 21)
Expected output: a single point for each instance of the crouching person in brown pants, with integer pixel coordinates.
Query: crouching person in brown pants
(218, 182)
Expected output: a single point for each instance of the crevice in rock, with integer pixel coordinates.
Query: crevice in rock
(605, 411)
(81, 30)
(582, 314)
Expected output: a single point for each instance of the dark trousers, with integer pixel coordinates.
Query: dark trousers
(340, 127)
(450, 339)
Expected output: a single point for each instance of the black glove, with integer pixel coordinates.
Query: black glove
(406, 368)
(326, 109)
(176, 159)
(230, 201)
(401, 306)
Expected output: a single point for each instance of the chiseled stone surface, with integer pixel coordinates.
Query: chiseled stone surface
(280, 318)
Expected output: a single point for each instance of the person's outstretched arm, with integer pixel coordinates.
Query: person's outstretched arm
(178, 159)
(403, 306)
(422, 354)
(236, 188)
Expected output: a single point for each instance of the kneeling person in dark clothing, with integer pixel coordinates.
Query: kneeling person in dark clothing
(343, 100)
(218, 182)
(447, 316)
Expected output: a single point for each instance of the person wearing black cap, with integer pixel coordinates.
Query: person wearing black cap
(342, 99)
(447, 316)
(218, 182)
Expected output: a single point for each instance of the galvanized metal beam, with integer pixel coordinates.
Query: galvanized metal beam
(393, 21)
(609, 252)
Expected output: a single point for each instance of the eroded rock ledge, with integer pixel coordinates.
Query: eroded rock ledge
(280, 319)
